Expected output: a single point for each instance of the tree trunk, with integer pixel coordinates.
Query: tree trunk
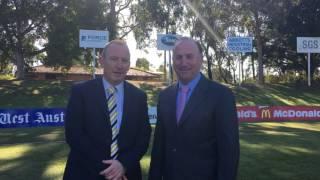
(209, 68)
(165, 55)
(253, 71)
(313, 67)
(18, 52)
(221, 72)
(113, 20)
(165, 66)
(229, 68)
(242, 74)
(20, 64)
(234, 76)
(209, 62)
(259, 48)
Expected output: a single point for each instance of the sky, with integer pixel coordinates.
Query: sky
(152, 54)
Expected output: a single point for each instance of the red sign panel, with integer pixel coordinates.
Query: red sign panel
(278, 113)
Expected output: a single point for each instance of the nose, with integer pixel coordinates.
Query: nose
(183, 60)
(119, 65)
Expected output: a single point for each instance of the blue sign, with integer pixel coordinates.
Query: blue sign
(166, 41)
(11, 118)
(239, 44)
(93, 38)
(15, 118)
(169, 40)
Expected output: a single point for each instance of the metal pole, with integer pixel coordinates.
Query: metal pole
(94, 63)
(170, 69)
(165, 67)
(309, 74)
(239, 71)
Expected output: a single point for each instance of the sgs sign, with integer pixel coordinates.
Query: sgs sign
(308, 45)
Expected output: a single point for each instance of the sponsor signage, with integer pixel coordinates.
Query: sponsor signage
(152, 112)
(308, 44)
(93, 39)
(239, 44)
(166, 41)
(278, 113)
(13, 118)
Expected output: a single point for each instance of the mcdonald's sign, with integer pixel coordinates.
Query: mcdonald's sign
(265, 114)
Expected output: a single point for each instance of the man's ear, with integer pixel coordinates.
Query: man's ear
(101, 61)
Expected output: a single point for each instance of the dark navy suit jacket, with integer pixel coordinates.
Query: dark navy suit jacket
(205, 143)
(88, 131)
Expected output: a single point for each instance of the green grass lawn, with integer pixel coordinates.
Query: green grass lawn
(277, 151)
(55, 94)
(30, 94)
(271, 151)
(277, 94)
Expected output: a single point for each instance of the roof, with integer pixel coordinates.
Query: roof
(82, 70)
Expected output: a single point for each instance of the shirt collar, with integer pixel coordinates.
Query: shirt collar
(106, 85)
(192, 84)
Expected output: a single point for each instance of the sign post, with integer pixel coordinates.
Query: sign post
(93, 39)
(166, 42)
(308, 45)
(239, 45)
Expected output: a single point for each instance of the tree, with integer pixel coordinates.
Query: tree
(254, 16)
(160, 68)
(142, 63)
(302, 21)
(279, 37)
(165, 15)
(63, 32)
(112, 15)
(208, 21)
(22, 25)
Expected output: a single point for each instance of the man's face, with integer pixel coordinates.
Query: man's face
(116, 63)
(187, 61)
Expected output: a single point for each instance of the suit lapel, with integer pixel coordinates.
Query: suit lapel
(101, 96)
(197, 97)
(172, 104)
(127, 96)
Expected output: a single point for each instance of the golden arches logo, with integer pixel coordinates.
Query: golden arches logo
(265, 113)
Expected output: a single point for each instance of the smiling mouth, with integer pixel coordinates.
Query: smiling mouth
(118, 73)
(184, 70)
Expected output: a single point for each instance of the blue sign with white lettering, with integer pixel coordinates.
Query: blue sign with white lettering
(169, 40)
(15, 118)
(239, 44)
(11, 118)
(166, 41)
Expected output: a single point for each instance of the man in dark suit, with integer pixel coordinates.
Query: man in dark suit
(106, 124)
(196, 136)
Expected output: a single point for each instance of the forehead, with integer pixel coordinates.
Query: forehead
(186, 47)
(115, 48)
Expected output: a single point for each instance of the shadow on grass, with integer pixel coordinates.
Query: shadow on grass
(39, 153)
(35, 93)
(278, 152)
(277, 94)
(38, 157)
(31, 135)
(268, 151)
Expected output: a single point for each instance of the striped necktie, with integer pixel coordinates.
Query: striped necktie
(113, 114)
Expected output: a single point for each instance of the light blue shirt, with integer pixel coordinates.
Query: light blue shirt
(119, 98)
(192, 84)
